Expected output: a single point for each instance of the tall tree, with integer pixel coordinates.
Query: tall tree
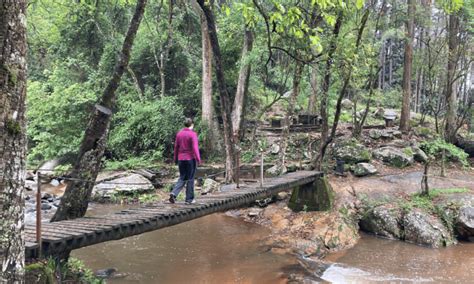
(289, 115)
(242, 85)
(78, 191)
(223, 93)
(451, 90)
(12, 139)
(407, 66)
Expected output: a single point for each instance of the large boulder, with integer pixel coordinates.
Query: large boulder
(364, 169)
(465, 223)
(394, 157)
(384, 221)
(425, 229)
(419, 155)
(351, 152)
(276, 170)
(129, 184)
(375, 134)
(347, 104)
(210, 186)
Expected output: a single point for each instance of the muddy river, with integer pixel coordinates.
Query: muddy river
(221, 249)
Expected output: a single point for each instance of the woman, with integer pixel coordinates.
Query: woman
(186, 155)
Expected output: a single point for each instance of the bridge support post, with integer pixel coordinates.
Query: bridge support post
(315, 196)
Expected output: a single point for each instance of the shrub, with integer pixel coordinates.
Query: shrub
(145, 129)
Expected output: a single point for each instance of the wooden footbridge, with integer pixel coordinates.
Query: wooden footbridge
(59, 237)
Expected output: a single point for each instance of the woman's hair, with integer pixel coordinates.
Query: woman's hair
(188, 122)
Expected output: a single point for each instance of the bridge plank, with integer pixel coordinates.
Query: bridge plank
(90, 230)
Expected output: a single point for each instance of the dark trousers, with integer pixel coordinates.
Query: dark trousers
(187, 169)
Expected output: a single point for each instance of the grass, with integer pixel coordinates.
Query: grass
(426, 201)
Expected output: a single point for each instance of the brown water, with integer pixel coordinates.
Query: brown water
(375, 260)
(221, 249)
(212, 249)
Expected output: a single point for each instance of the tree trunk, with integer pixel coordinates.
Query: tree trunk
(451, 92)
(12, 139)
(166, 48)
(223, 93)
(211, 141)
(313, 97)
(289, 115)
(329, 138)
(78, 192)
(242, 87)
(407, 67)
(323, 107)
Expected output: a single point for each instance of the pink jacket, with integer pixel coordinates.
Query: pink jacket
(186, 146)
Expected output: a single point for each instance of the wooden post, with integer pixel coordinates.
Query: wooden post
(38, 212)
(237, 170)
(261, 170)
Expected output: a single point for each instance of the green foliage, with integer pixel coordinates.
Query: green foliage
(57, 115)
(146, 129)
(129, 163)
(49, 271)
(436, 148)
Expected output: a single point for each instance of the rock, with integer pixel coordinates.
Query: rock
(45, 206)
(54, 182)
(383, 221)
(50, 199)
(275, 171)
(386, 135)
(31, 185)
(275, 149)
(317, 196)
(347, 104)
(375, 134)
(425, 229)
(351, 152)
(229, 187)
(46, 196)
(465, 223)
(397, 134)
(419, 155)
(49, 166)
(282, 195)
(264, 202)
(105, 273)
(210, 186)
(399, 143)
(390, 114)
(292, 168)
(364, 169)
(254, 212)
(131, 183)
(30, 175)
(393, 156)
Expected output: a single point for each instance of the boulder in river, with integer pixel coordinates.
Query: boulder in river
(383, 221)
(351, 152)
(425, 229)
(465, 223)
(393, 156)
(210, 186)
(364, 169)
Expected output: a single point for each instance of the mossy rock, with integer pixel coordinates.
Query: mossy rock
(317, 196)
(394, 156)
(351, 152)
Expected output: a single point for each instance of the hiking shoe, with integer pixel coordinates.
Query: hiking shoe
(172, 199)
(190, 202)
